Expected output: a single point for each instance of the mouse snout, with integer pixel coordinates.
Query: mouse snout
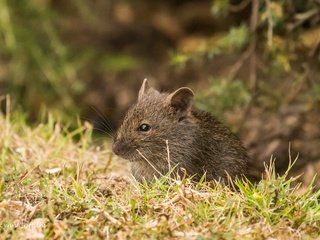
(119, 148)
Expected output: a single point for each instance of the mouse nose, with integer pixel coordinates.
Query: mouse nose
(118, 148)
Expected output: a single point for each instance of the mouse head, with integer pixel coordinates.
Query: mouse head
(155, 118)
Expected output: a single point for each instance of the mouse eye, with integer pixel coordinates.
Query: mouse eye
(144, 127)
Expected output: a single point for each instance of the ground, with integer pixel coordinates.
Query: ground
(60, 184)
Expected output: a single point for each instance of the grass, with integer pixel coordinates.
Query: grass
(55, 187)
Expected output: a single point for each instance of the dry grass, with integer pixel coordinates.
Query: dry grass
(54, 187)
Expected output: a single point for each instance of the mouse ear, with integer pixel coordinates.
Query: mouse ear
(144, 88)
(181, 100)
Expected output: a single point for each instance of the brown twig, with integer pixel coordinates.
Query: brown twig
(254, 20)
(253, 27)
(270, 23)
(237, 8)
(250, 52)
(302, 17)
(234, 69)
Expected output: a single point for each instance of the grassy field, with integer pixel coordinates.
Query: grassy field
(53, 186)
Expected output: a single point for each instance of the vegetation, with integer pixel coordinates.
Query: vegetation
(270, 43)
(55, 188)
(36, 55)
(56, 182)
(45, 62)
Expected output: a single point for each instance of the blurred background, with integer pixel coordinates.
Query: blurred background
(255, 64)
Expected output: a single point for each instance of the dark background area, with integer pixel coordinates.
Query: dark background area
(253, 64)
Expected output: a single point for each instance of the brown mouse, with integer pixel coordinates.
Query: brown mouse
(163, 130)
